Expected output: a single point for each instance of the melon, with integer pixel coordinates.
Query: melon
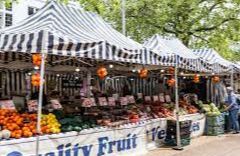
(6, 134)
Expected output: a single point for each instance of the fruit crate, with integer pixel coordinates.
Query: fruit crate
(173, 142)
(183, 131)
(183, 124)
(187, 136)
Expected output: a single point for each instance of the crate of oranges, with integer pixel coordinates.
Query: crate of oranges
(25, 125)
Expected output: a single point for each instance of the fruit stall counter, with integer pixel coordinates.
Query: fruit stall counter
(127, 139)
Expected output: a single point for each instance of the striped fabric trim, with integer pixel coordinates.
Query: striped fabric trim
(167, 48)
(68, 31)
(212, 57)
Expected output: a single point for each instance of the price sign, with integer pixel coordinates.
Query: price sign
(123, 101)
(111, 101)
(139, 95)
(130, 98)
(116, 96)
(7, 104)
(148, 98)
(102, 101)
(168, 98)
(55, 104)
(161, 97)
(32, 105)
(93, 101)
(87, 102)
(155, 98)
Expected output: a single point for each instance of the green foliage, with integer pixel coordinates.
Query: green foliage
(198, 23)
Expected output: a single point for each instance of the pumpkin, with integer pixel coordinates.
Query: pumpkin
(6, 134)
(171, 82)
(102, 72)
(143, 73)
(36, 59)
(36, 79)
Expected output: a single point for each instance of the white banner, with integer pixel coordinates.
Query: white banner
(130, 140)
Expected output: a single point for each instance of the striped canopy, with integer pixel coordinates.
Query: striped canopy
(69, 31)
(211, 56)
(167, 47)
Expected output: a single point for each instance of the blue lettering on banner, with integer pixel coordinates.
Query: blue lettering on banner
(105, 146)
(195, 126)
(156, 133)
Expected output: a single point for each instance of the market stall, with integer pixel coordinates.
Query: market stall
(88, 69)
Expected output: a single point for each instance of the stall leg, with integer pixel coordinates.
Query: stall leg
(40, 100)
(179, 146)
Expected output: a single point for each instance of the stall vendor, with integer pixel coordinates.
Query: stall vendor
(233, 108)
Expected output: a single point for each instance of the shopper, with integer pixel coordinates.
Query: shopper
(233, 108)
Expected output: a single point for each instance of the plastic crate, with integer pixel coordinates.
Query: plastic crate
(183, 124)
(173, 142)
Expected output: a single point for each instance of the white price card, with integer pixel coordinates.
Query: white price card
(32, 105)
(102, 101)
(131, 99)
(139, 95)
(148, 98)
(168, 98)
(161, 97)
(123, 101)
(155, 98)
(7, 104)
(87, 102)
(116, 96)
(111, 101)
(93, 101)
(55, 104)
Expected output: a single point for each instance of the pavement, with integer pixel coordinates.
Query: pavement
(224, 145)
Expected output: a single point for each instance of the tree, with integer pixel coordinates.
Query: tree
(198, 23)
(214, 24)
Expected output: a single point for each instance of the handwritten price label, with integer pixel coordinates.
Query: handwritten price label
(111, 101)
(87, 102)
(139, 95)
(155, 98)
(161, 97)
(32, 105)
(131, 99)
(102, 101)
(148, 98)
(7, 104)
(123, 101)
(93, 102)
(168, 98)
(116, 96)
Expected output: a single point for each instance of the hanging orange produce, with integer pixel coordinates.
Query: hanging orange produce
(216, 79)
(143, 73)
(171, 82)
(102, 72)
(36, 59)
(196, 79)
(36, 80)
(171, 70)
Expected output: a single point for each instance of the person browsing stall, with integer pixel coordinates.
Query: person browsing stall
(233, 108)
